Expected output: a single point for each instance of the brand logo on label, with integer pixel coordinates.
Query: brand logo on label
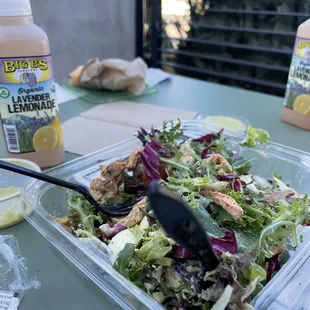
(303, 44)
(13, 65)
(29, 78)
(4, 92)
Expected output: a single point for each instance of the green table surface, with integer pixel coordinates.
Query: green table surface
(63, 286)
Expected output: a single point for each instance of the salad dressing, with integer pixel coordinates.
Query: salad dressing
(10, 188)
(29, 115)
(296, 110)
(226, 122)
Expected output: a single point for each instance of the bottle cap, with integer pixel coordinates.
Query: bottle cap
(15, 8)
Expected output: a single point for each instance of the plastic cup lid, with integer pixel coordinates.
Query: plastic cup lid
(15, 8)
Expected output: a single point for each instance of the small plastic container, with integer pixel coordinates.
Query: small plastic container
(10, 187)
(47, 201)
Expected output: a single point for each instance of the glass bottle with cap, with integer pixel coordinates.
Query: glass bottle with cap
(296, 109)
(29, 115)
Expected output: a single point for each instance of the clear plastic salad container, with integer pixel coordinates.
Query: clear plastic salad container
(46, 201)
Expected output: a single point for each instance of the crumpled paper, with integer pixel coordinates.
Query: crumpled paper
(112, 74)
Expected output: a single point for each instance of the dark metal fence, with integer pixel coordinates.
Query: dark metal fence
(247, 48)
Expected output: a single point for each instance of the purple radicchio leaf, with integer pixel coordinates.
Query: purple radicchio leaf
(110, 231)
(226, 244)
(227, 177)
(206, 153)
(236, 185)
(273, 265)
(182, 253)
(234, 180)
(159, 148)
(150, 159)
(209, 138)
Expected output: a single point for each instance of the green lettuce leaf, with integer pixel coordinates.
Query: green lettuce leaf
(255, 135)
(155, 246)
(209, 224)
(242, 166)
(246, 240)
(139, 230)
(199, 204)
(173, 280)
(84, 213)
(169, 135)
(257, 271)
(193, 184)
(124, 258)
(297, 211)
(274, 236)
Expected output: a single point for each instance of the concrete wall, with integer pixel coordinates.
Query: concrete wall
(81, 29)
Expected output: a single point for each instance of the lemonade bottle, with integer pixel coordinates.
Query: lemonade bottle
(29, 115)
(296, 108)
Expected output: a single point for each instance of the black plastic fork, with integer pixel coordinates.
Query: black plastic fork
(115, 210)
(182, 224)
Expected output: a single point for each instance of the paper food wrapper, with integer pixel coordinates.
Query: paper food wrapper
(111, 74)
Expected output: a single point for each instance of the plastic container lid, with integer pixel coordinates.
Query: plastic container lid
(228, 122)
(15, 8)
(10, 188)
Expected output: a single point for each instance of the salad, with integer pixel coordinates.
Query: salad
(251, 221)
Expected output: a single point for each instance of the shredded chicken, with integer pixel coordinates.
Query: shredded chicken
(218, 186)
(276, 196)
(65, 222)
(225, 201)
(107, 184)
(135, 216)
(132, 162)
(221, 164)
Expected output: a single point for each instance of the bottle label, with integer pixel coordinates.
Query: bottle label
(297, 96)
(28, 109)
(9, 300)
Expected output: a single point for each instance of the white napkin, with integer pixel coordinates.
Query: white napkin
(108, 124)
(63, 95)
(133, 114)
(155, 76)
(83, 136)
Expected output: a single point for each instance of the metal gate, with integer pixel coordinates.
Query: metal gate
(245, 43)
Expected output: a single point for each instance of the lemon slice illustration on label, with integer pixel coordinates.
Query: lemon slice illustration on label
(302, 104)
(57, 126)
(45, 138)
